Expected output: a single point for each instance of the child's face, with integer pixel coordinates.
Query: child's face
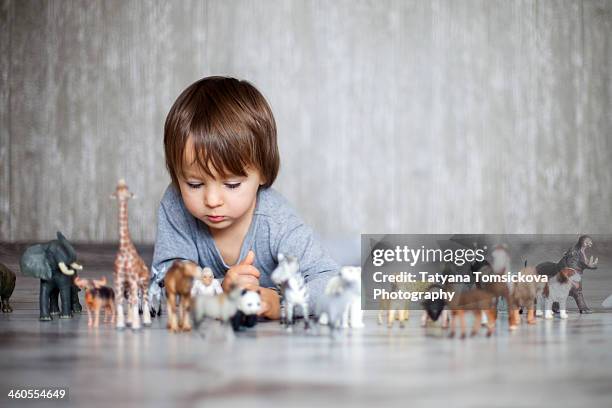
(222, 204)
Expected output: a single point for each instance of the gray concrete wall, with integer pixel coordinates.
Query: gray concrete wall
(393, 116)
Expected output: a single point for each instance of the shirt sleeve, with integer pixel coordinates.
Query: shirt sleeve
(316, 266)
(173, 241)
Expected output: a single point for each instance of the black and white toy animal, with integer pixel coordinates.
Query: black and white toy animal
(557, 290)
(248, 307)
(294, 294)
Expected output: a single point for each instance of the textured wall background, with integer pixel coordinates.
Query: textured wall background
(393, 116)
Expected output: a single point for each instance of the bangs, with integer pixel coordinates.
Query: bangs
(214, 156)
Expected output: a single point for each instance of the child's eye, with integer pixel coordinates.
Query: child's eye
(232, 186)
(195, 185)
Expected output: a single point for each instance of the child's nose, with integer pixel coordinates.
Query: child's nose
(213, 198)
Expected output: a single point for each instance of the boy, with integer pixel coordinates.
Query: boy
(220, 210)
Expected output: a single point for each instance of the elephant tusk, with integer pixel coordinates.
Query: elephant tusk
(65, 270)
(76, 266)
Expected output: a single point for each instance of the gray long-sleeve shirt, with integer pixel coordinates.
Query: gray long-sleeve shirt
(275, 228)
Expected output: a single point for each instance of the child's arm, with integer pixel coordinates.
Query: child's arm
(174, 240)
(316, 265)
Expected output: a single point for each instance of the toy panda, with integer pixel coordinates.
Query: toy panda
(249, 305)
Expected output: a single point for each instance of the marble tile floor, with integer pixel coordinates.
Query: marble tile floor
(554, 363)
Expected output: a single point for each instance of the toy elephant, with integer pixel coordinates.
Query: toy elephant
(7, 285)
(54, 263)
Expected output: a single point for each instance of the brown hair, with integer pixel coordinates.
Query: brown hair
(230, 125)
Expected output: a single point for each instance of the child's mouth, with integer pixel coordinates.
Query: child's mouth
(217, 218)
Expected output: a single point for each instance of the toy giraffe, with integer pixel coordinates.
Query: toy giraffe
(131, 273)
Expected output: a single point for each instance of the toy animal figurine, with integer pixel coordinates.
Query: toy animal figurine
(178, 282)
(394, 309)
(248, 305)
(475, 301)
(221, 307)
(349, 279)
(207, 286)
(575, 258)
(523, 296)
(331, 308)
(156, 293)
(98, 296)
(557, 290)
(54, 263)
(497, 289)
(131, 273)
(7, 285)
(293, 290)
(434, 309)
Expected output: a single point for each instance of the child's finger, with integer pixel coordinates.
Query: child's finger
(249, 259)
(245, 281)
(248, 270)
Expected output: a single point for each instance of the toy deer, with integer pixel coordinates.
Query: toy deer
(131, 273)
(98, 296)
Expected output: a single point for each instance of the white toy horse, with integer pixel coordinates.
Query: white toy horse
(293, 290)
(347, 283)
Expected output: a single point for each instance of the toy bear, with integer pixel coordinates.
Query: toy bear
(7, 285)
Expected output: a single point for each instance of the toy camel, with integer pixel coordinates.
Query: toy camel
(131, 273)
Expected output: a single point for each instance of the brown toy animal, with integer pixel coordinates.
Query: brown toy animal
(523, 295)
(394, 309)
(178, 282)
(7, 285)
(97, 297)
(475, 301)
(131, 272)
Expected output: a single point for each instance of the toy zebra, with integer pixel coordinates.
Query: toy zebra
(293, 290)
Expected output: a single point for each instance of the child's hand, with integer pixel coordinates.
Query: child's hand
(241, 275)
(270, 303)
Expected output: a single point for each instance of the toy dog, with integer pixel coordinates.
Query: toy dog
(248, 305)
(557, 290)
(178, 282)
(7, 285)
(523, 295)
(496, 289)
(476, 301)
(98, 296)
